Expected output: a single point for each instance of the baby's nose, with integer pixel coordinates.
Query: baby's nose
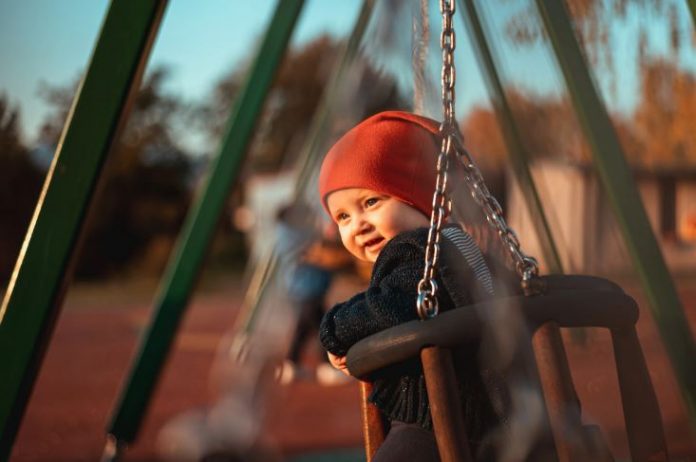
(363, 226)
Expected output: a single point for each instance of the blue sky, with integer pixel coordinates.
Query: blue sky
(200, 40)
(51, 41)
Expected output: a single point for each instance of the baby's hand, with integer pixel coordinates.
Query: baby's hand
(339, 362)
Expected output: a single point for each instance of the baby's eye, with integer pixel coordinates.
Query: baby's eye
(341, 216)
(371, 201)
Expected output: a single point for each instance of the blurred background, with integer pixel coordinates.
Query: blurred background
(642, 55)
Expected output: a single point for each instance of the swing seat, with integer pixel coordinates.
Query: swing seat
(568, 301)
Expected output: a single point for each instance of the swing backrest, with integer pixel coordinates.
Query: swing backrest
(569, 301)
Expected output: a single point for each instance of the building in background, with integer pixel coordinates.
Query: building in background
(583, 224)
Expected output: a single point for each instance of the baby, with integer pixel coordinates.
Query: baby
(377, 184)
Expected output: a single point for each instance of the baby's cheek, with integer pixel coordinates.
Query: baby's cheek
(347, 245)
(359, 254)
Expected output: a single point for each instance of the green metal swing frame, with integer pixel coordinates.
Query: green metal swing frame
(43, 271)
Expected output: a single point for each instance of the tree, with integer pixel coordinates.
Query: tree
(483, 139)
(293, 100)
(19, 188)
(663, 119)
(147, 181)
(145, 185)
(655, 133)
(546, 127)
(593, 21)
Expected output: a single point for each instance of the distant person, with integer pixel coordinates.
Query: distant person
(311, 259)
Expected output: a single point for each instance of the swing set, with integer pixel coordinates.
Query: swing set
(545, 304)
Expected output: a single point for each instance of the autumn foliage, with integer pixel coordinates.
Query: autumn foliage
(657, 135)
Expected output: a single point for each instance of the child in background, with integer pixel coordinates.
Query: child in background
(311, 260)
(377, 184)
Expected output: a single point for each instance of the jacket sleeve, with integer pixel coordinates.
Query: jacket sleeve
(390, 300)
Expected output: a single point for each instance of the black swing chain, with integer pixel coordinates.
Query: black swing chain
(526, 266)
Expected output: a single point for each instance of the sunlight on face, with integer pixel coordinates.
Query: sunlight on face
(367, 220)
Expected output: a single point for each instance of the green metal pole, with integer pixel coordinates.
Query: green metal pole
(513, 141)
(692, 8)
(43, 269)
(198, 229)
(547, 343)
(625, 199)
(307, 163)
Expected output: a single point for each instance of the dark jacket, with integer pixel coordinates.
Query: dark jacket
(389, 301)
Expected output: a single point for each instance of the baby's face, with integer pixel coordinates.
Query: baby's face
(367, 220)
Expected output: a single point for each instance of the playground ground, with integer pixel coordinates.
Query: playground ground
(97, 333)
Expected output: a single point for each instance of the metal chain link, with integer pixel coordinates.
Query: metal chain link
(526, 266)
(426, 303)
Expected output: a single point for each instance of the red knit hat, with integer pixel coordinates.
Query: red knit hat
(392, 152)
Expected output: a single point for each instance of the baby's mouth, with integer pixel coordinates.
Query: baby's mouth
(373, 243)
